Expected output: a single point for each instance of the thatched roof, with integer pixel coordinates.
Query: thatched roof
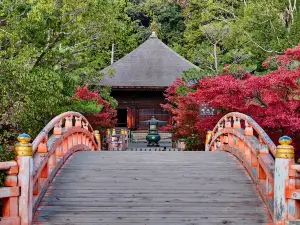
(152, 64)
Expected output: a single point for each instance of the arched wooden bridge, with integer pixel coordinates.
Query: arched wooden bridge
(63, 178)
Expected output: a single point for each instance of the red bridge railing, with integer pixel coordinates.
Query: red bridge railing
(10, 194)
(271, 168)
(37, 163)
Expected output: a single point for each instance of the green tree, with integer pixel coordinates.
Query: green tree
(166, 15)
(254, 31)
(208, 27)
(48, 48)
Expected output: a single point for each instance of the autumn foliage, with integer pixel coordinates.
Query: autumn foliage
(273, 100)
(104, 119)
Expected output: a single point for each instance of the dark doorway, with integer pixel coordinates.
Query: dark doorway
(122, 117)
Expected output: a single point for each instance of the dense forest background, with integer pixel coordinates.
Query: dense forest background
(214, 33)
(50, 49)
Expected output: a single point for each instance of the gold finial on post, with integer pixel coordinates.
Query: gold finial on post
(98, 138)
(24, 147)
(285, 150)
(284, 158)
(208, 138)
(97, 135)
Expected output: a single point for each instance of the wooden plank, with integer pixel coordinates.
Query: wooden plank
(6, 192)
(7, 165)
(294, 194)
(204, 221)
(178, 188)
(10, 221)
(11, 181)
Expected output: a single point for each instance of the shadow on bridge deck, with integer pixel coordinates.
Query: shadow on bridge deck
(151, 188)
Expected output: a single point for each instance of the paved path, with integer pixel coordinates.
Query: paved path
(151, 188)
(139, 145)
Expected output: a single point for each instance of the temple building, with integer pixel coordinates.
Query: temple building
(140, 79)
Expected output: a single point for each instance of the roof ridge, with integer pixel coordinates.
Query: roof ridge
(153, 63)
(175, 53)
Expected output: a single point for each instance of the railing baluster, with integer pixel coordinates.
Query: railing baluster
(44, 172)
(65, 146)
(52, 162)
(69, 122)
(59, 151)
(220, 127)
(284, 158)
(36, 187)
(57, 128)
(42, 148)
(85, 126)
(10, 204)
(228, 122)
(70, 141)
(78, 122)
(231, 141)
(236, 122)
(9, 208)
(248, 129)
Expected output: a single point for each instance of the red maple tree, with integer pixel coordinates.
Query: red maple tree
(273, 100)
(104, 119)
(184, 109)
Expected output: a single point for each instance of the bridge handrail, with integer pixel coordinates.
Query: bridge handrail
(38, 163)
(58, 122)
(237, 117)
(10, 193)
(7, 165)
(272, 168)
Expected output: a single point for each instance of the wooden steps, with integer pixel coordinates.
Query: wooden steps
(151, 188)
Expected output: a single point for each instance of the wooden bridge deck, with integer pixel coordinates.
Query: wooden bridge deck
(151, 188)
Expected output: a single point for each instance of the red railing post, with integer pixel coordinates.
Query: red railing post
(126, 139)
(208, 138)
(108, 139)
(98, 139)
(284, 159)
(10, 194)
(24, 151)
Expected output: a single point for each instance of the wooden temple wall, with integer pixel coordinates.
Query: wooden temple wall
(141, 106)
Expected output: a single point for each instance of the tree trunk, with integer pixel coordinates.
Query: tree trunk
(216, 57)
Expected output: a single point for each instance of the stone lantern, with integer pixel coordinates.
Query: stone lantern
(153, 136)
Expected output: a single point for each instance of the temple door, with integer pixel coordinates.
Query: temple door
(131, 118)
